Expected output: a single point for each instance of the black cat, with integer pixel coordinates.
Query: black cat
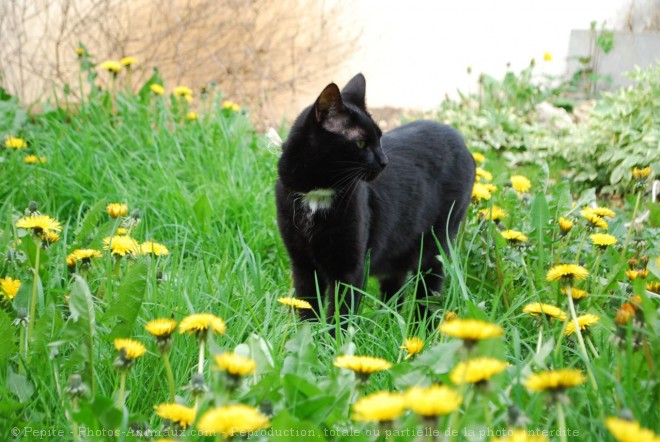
(346, 190)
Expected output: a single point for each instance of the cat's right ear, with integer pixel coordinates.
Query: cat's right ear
(328, 103)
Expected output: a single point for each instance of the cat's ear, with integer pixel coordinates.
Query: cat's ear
(328, 103)
(354, 91)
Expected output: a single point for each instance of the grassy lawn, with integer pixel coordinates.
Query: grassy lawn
(202, 187)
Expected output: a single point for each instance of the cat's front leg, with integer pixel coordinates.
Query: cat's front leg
(345, 293)
(309, 287)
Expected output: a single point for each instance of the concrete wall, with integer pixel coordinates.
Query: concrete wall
(413, 52)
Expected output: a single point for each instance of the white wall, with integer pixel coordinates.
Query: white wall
(412, 52)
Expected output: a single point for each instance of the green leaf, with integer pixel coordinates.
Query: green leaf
(540, 218)
(302, 353)
(203, 211)
(8, 334)
(20, 386)
(305, 399)
(440, 359)
(86, 227)
(123, 311)
(287, 427)
(81, 306)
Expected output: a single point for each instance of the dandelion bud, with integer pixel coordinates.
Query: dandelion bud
(633, 263)
(198, 385)
(75, 387)
(644, 260)
(32, 209)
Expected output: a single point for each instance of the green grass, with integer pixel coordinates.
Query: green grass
(204, 188)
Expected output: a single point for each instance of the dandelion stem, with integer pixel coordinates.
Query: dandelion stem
(592, 347)
(579, 250)
(594, 272)
(122, 389)
(539, 342)
(200, 363)
(22, 339)
(170, 376)
(561, 421)
(74, 424)
(632, 225)
(578, 332)
(33, 302)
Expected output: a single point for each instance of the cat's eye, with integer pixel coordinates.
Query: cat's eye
(360, 143)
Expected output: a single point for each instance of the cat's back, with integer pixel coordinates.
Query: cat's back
(428, 145)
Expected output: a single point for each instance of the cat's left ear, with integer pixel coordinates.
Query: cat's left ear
(328, 103)
(354, 91)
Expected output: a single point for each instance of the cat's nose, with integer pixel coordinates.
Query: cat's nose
(382, 160)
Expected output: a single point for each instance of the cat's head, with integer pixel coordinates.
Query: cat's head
(334, 142)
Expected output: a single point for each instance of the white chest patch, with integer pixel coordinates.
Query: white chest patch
(318, 199)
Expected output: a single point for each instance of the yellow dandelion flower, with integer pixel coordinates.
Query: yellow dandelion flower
(496, 213)
(653, 286)
(412, 346)
(111, 66)
(602, 240)
(121, 231)
(153, 248)
(479, 158)
(130, 348)
(492, 188)
(234, 419)
(625, 313)
(157, 89)
(362, 365)
(521, 184)
(576, 293)
(15, 143)
(474, 371)
(641, 174)
(115, 210)
(33, 159)
(484, 174)
(593, 219)
(471, 330)
(178, 414)
(450, 316)
(565, 224)
(550, 311)
(201, 323)
(182, 91)
(520, 435)
(192, 116)
(234, 364)
(567, 272)
(49, 237)
(555, 380)
(9, 287)
(633, 274)
(629, 431)
(603, 212)
(39, 224)
(480, 192)
(79, 52)
(226, 104)
(121, 245)
(161, 328)
(514, 236)
(382, 406)
(295, 302)
(547, 56)
(584, 322)
(83, 255)
(436, 400)
(128, 61)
